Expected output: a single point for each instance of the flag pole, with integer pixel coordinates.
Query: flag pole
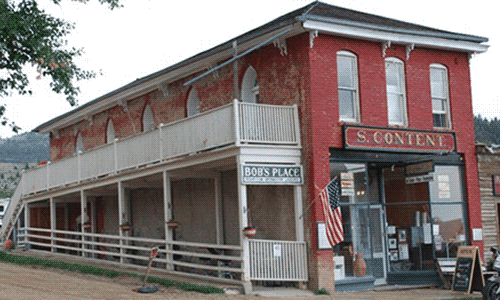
(314, 201)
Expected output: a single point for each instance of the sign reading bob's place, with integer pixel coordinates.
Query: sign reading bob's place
(389, 139)
(271, 174)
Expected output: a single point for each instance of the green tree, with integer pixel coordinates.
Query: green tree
(31, 37)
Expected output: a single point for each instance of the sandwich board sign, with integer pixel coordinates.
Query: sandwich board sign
(468, 276)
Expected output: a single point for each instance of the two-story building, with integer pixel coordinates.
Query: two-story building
(249, 133)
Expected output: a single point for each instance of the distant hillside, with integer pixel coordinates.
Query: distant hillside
(487, 131)
(25, 148)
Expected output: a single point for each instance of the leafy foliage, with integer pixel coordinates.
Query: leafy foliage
(30, 36)
(487, 131)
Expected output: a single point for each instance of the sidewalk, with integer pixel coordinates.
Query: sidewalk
(389, 292)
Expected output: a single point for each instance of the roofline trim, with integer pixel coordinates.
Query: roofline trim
(405, 39)
(444, 35)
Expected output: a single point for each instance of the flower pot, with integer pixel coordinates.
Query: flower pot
(125, 228)
(250, 231)
(172, 224)
(360, 265)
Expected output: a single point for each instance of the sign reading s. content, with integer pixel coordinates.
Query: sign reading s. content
(271, 174)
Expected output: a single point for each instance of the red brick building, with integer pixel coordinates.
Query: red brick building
(188, 157)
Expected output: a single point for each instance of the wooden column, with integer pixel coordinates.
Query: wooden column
(122, 216)
(83, 213)
(219, 226)
(299, 222)
(167, 207)
(26, 225)
(52, 222)
(243, 222)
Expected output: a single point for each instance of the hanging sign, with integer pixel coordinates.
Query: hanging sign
(271, 174)
(468, 276)
(419, 179)
(389, 139)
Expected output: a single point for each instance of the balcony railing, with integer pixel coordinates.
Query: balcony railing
(236, 123)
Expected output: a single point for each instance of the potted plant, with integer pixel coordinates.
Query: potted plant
(250, 231)
(172, 224)
(87, 226)
(125, 226)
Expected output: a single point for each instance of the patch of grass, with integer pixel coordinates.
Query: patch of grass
(33, 261)
(322, 291)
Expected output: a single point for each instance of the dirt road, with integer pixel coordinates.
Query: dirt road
(19, 282)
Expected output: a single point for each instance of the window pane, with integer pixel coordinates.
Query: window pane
(438, 105)
(353, 181)
(393, 76)
(346, 101)
(345, 71)
(439, 120)
(448, 229)
(438, 81)
(395, 109)
(447, 184)
(357, 237)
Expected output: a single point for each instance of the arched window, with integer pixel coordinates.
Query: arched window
(110, 132)
(193, 103)
(396, 91)
(440, 96)
(347, 80)
(79, 143)
(148, 123)
(250, 86)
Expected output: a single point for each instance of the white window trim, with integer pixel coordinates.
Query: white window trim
(193, 103)
(79, 147)
(148, 122)
(357, 115)
(402, 92)
(447, 111)
(249, 92)
(109, 127)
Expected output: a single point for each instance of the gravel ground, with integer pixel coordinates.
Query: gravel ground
(20, 282)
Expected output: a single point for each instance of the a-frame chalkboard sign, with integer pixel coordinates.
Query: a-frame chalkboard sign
(468, 276)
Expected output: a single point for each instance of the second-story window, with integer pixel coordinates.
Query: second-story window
(250, 86)
(79, 143)
(440, 96)
(347, 79)
(396, 92)
(148, 123)
(110, 132)
(193, 103)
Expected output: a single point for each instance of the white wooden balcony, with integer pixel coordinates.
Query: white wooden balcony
(234, 124)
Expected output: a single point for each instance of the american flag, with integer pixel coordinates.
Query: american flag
(330, 197)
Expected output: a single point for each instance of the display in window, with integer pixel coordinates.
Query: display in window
(393, 243)
(402, 235)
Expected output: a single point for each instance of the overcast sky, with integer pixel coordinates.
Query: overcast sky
(149, 35)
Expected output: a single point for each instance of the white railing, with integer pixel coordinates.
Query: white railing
(222, 262)
(254, 126)
(234, 123)
(278, 260)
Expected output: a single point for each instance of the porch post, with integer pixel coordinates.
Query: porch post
(83, 213)
(26, 225)
(93, 225)
(167, 207)
(299, 222)
(52, 222)
(243, 218)
(219, 226)
(121, 216)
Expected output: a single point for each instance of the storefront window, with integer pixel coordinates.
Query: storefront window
(352, 180)
(447, 184)
(448, 216)
(448, 229)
